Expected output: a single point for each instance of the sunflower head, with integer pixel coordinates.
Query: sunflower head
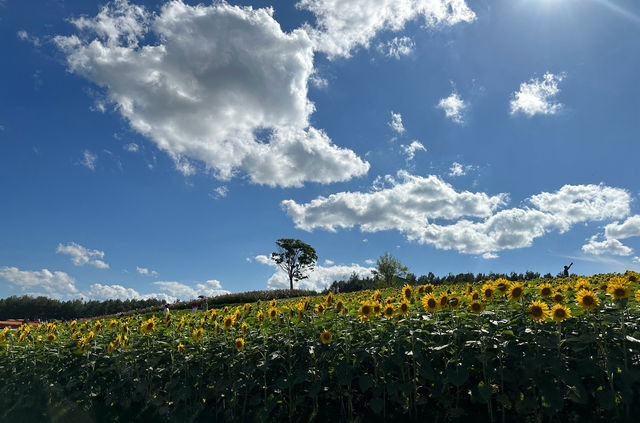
(587, 299)
(403, 307)
(545, 290)
(319, 308)
(619, 291)
(560, 313)
(366, 310)
(558, 297)
(476, 307)
(443, 300)
(377, 308)
(487, 292)
(272, 304)
(244, 328)
(260, 316)
(538, 311)
(228, 322)
(273, 313)
(428, 288)
(197, 334)
(180, 349)
(516, 291)
(51, 337)
(502, 285)
(429, 303)
(583, 283)
(339, 306)
(406, 292)
(326, 337)
(388, 310)
(239, 344)
(454, 302)
(329, 299)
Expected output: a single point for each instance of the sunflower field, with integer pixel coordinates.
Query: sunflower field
(562, 349)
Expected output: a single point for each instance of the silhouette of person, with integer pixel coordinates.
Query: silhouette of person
(565, 273)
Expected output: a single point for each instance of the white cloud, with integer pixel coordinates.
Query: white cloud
(453, 107)
(613, 232)
(627, 229)
(410, 150)
(608, 246)
(81, 256)
(397, 47)
(318, 81)
(261, 258)
(88, 160)
(132, 147)
(320, 278)
(458, 169)
(219, 192)
(583, 203)
(405, 206)
(55, 284)
(537, 96)
(112, 292)
(328, 262)
(25, 36)
(414, 205)
(636, 260)
(146, 272)
(210, 288)
(489, 256)
(396, 123)
(221, 85)
(369, 262)
(343, 25)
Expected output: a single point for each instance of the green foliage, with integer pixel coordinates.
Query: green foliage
(449, 364)
(388, 268)
(44, 308)
(294, 257)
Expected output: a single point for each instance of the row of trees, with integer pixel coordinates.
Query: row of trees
(30, 308)
(297, 259)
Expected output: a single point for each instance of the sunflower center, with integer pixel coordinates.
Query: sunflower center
(587, 300)
(536, 311)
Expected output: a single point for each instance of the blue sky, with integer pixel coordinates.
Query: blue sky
(161, 148)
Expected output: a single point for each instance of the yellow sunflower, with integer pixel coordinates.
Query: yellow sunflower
(560, 313)
(638, 296)
(319, 308)
(377, 308)
(454, 302)
(516, 291)
(502, 285)
(326, 336)
(545, 290)
(406, 292)
(51, 337)
(474, 295)
(260, 316)
(428, 288)
(388, 311)
(180, 348)
(273, 313)
(487, 292)
(228, 321)
(239, 344)
(476, 307)
(587, 299)
(244, 328)
(366, 310)
(403, 308)
(429, 303)
(443, 300)
(619, 291)
(558, 297)
(339, 306)
(197, 334)
(538, 310)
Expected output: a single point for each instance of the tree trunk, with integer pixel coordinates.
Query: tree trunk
(291, 282)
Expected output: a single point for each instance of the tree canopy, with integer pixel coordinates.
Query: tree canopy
(388, 267)
(295, 257)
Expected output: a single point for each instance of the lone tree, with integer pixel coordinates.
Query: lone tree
(387, 268)
(294, 257)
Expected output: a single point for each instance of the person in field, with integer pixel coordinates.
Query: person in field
(565, 272)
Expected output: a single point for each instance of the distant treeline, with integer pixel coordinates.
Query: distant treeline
(356, 283)
(44, 308)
